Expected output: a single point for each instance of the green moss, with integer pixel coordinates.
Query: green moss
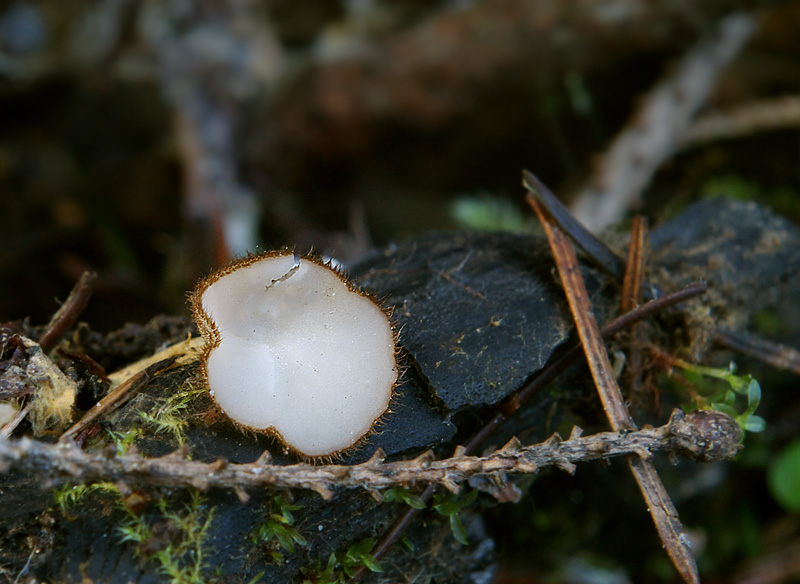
(184, 558)
(403, 495)
(170, 415)
(124, 440)
(339, 571)
(70, 495)
(277, 530)
(450, 505)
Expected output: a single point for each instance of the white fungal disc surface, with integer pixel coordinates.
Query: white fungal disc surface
(292, 350)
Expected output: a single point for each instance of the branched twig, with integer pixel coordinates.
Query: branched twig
(684, 435)
(658, 501)
(527, 391)
(531, 388)
(657, 128)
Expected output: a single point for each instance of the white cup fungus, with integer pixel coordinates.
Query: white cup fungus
(293, 350)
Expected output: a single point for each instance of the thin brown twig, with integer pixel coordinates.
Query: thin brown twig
(68, 314)
(588, 331)
(555, 368)
(117, 397)
(774, 354)
(598, 252)
(528, 390)
(632, 291)
(12, 424)
(634, 269)
(67, 460)
(659, 504)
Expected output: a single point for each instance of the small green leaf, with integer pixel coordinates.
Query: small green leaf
(285, 540)
(754, 424)
(407, 543)
(371, 563)
(402, 495)
(450, 505)
(457, 527)
(359, 555)
(469, 498)
(331, 565)
(725, 409)
(753, 393)
(276, 556)
(360, 548)
(446, 507)
(783, 477)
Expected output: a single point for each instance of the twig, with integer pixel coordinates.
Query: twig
(656, 130)
(68, 314)
(598, 252)
(185, 352)
(555, 368)
(632, 292)
(531, 388)
(205, 88)
(68, 460)
(12, 424)
(588, 331)
(774, 354)
(745, 120)
(634, 268)
(658, 502)
(117, 397)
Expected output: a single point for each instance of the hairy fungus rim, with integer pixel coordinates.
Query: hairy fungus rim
(213, 338)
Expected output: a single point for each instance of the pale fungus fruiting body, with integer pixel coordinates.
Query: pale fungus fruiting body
(293, 350)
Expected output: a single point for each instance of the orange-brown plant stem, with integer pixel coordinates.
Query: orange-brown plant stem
(632, 285)
(658, 502)
(634, 268)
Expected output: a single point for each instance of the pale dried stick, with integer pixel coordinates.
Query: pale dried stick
(657, 128)
(744, 120)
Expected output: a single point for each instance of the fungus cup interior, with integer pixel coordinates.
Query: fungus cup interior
(293, 350)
